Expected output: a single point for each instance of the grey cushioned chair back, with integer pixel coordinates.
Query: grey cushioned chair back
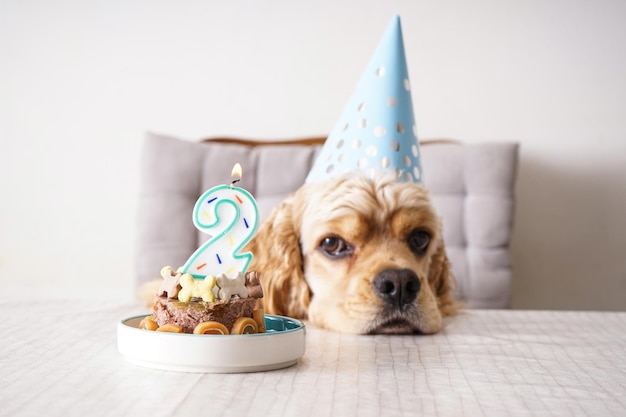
(471, 187)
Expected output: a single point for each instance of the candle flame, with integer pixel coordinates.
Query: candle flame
(236, 173)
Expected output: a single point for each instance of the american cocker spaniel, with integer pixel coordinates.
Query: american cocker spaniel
(356, 255)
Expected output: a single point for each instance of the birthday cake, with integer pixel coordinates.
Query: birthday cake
(212, 293)
(212, 305)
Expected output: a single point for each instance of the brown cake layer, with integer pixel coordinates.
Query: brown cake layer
(188, 315)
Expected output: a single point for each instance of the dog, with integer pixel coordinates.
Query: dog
(356, 255)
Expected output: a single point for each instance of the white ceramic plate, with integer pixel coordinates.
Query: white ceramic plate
(280, 347)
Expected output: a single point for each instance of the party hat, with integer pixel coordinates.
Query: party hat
(376, 132)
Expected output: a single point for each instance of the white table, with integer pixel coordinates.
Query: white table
(61, 359)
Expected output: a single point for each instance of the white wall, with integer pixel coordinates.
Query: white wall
(81, 81)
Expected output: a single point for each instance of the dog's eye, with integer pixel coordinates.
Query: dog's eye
(418, 241)
(335, 247)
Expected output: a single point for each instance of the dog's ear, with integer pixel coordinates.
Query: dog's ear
(442, 281)
(278, 259)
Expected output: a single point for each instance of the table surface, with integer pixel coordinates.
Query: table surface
(61, 359)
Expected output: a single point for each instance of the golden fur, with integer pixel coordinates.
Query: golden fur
(375, 219)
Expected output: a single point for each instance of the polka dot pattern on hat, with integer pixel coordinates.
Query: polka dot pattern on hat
(376, 132)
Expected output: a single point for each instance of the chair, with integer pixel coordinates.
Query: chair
(471, 185)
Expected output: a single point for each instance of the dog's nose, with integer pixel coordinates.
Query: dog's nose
(397, 286)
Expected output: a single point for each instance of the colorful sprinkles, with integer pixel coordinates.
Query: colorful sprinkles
(219, 255)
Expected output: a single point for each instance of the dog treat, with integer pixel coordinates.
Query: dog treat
(244, 325)
(170, 328)
(210, 327)
(259, 316)
(196, 288)
(254, 285)
(148, 324)
(170, 284)
(230, 287)
(209, 306)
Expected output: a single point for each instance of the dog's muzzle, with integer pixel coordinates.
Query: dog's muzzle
(397, 287)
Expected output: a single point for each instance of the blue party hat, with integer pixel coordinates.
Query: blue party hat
(376, 132)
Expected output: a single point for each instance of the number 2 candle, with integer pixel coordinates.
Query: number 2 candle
(228, 214)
